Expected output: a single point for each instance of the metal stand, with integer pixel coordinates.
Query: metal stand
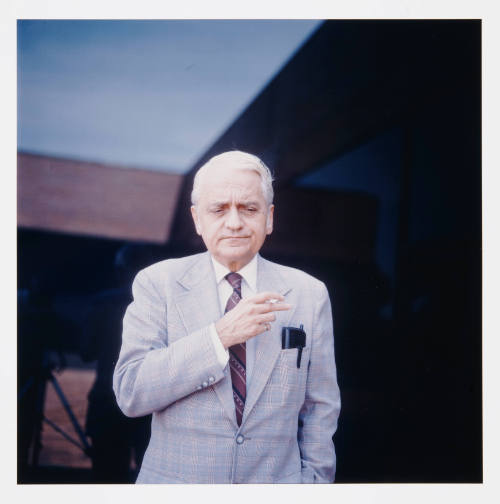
(47, 375)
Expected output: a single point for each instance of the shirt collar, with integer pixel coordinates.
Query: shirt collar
(248, 272)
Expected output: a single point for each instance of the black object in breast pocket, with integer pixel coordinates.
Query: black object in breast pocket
(293, 337)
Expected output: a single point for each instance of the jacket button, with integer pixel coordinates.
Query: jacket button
(240, 439)
(211, 379)
(205, 384)
(199, 387)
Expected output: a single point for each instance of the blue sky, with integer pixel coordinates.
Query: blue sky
(151, 94)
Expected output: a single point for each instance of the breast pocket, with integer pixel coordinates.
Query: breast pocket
(287, 382)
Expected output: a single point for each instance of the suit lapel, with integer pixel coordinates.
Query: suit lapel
(268, 344)
(198, 307)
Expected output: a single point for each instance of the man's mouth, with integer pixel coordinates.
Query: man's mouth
(234, 239)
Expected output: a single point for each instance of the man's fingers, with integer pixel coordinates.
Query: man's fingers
(266, 317)
(279, 307)
(268, 307)
(266, 302)
(264, 297)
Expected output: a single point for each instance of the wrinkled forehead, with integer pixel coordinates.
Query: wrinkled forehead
(224, 183)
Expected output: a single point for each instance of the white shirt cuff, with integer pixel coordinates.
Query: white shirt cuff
(221, 352)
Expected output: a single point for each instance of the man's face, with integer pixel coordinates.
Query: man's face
(232, 215)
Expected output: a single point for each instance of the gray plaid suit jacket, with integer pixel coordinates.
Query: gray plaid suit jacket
(168, 367)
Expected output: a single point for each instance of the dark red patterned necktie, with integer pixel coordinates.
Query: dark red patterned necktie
(237, 353)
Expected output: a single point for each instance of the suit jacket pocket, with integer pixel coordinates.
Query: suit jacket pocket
(287, 381)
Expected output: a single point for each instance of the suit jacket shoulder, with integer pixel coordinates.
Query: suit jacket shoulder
(163, 273)
(173, 265)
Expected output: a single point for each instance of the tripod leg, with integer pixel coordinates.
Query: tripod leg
(71, 416)
(38, 424)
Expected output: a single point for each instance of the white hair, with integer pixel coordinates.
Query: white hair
(237, 160)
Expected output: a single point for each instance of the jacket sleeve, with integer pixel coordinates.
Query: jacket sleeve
(319, 414)
(150, 373)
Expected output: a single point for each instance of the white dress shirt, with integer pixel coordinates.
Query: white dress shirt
(224, 289)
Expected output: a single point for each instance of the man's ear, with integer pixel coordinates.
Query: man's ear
(269, 223)
(196, 220)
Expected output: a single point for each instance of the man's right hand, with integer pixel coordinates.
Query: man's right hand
(250, 317)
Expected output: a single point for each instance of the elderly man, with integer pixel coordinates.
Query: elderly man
(235, 397)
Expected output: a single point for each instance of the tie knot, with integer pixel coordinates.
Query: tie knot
(234, 280)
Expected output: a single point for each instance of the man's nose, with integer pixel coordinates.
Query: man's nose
(233, 220)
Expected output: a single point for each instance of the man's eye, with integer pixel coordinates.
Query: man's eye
(251, 209)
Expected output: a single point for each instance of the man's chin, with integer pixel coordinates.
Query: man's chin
(235, 256)
(235, 246)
